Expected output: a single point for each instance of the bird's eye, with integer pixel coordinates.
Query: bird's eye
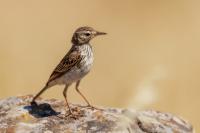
(87, 34)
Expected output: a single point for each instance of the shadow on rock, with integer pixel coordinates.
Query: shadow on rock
(41, 110)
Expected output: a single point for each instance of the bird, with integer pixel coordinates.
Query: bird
(75, 65)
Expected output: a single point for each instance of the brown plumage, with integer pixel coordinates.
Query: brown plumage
(71, 59)
(75, 64)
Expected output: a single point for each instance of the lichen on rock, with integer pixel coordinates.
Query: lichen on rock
(18, 116)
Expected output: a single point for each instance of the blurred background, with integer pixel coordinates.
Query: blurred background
(149, 59)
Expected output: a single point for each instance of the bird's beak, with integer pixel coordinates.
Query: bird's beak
(100, 33)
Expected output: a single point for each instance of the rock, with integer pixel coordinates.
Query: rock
(49, 116)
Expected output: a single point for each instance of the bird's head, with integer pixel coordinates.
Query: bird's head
(84, 34)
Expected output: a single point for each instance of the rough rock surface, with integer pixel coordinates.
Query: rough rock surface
(17, 116)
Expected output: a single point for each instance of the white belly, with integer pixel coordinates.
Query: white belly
(77, 73)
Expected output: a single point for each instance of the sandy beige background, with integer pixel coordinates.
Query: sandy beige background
(149, 59)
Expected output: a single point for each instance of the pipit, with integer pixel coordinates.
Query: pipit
(75, 65)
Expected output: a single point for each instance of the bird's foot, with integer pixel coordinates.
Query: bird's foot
(94, 108)
(74, 113)
(91, 107)
(33, 103)
(68, 116)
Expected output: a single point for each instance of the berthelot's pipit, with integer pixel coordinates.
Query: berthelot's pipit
(75, 64)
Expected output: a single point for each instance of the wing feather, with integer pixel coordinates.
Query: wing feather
(72, 58)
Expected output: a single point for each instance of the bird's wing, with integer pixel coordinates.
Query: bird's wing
(72, 58)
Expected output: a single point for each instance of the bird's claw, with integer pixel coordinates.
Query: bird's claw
(91, 107)
(73, 115)
(33, 103)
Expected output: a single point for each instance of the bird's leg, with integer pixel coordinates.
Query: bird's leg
(65, 96)
(89, 105)
(38, 94)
